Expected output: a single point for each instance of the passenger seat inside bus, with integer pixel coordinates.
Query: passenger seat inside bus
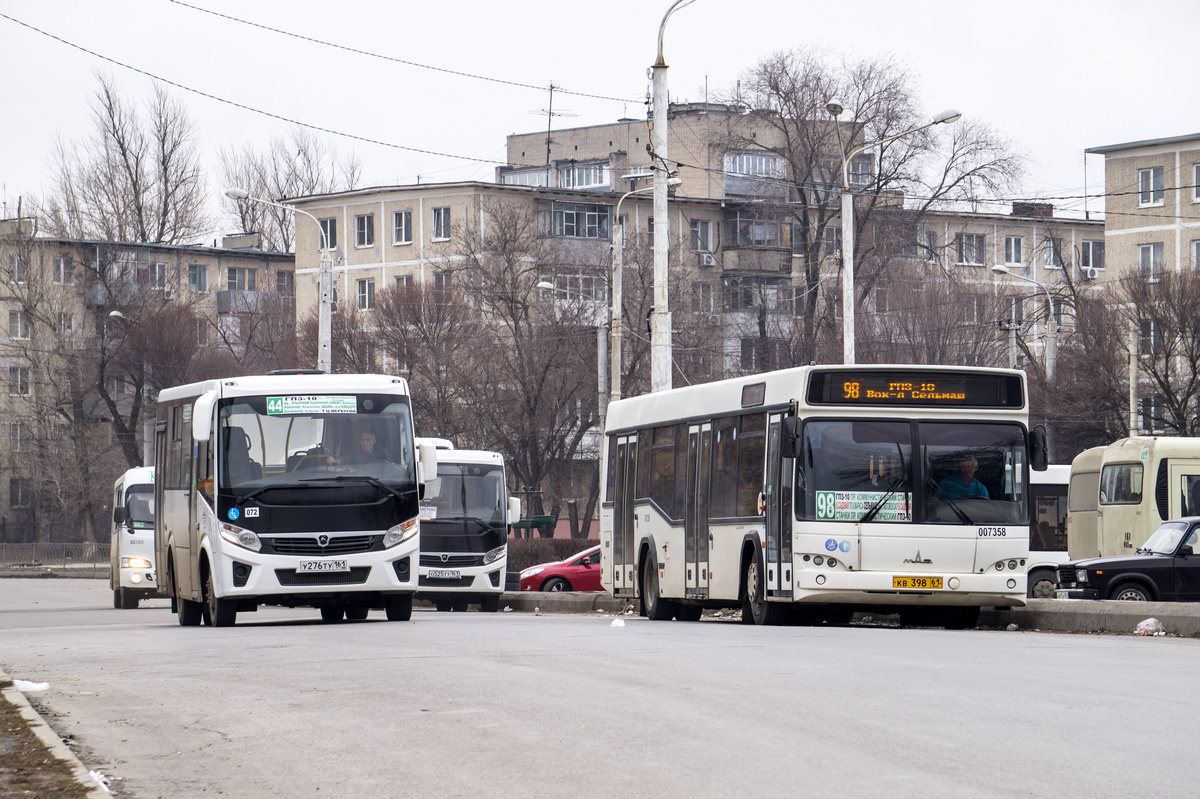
(237, 447)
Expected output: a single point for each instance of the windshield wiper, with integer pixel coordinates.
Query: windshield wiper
(962, 517)
(878, 506)
(356, 478)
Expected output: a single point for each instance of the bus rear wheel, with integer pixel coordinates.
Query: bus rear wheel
(218, 612)
(399, 607)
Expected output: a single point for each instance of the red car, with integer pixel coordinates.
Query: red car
(580, 572)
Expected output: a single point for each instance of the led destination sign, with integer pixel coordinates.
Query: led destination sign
(915, 387)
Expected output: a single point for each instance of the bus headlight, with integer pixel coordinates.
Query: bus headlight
(400, 533)
(495, 554)
(240, 537)
(1081, 576)
(135, 563)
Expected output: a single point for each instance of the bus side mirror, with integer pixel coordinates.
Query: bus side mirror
(202, 416)
(514, 510)
(427, 467)
(119, 514)
(791, 437)
(1037, 449)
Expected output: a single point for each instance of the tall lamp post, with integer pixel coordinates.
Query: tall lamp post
(618, 266)
(660, 319)
(324, 280)
(835, 110)
(1051, 322)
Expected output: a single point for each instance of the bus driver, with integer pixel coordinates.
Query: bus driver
(963, 484)
(368, 450)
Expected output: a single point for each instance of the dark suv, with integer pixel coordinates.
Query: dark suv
(1166, 568)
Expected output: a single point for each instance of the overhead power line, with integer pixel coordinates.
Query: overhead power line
(369, 54)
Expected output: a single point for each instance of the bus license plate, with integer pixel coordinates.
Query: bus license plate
(916, 582)
(445, 574)
(340, 565)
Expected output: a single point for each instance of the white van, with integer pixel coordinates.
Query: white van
(132, 550)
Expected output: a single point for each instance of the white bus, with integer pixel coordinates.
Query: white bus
(1047, 529)
(822, 490)
(465, 515)
(131, 549)
(292, 489)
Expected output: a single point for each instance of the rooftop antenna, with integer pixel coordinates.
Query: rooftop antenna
(550, 115)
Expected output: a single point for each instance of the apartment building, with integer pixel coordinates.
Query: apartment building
(69, 305)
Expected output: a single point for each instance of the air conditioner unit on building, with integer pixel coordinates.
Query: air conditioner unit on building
(1090, 272)
(168, 294)
(707, 259)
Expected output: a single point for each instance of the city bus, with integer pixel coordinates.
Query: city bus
(131, 549)
(465, 515)
(1121, 493)
(290, 489)
(818, 491)
(1047, 529)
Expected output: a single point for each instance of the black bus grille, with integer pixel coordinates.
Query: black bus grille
(451, 561)
(338, 545)
(356, 576)
(459, 582)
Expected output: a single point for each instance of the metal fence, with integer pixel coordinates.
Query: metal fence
(77, 559)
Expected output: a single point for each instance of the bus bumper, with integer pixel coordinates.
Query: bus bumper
(866, 588)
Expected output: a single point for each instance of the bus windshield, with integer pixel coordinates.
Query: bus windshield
(466, 491)
(277, 441)
(857, 471)
(139, 505)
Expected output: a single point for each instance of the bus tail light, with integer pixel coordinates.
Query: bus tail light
(400, 533)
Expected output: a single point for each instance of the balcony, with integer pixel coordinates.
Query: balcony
(757, 260)
(242, 302)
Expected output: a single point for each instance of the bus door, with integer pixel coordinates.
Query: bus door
(776, 503)
(623, 548)
(696, 540)
(1185, 473)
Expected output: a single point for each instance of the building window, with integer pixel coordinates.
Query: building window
(761, 354)
(240, 279)
(588, 287)
(364, 230)
(579, 220)
(702, 300)
(700, 236)
(1150, 341)
(1196, 254)
(18, 326)
(198, 278)
(285, 283)
(1091, 255)
(1150, 261)
(650, 231)
(1056, 308)
(1150, 186)
(1016, 310)
(441, 281)
(18, 492)
(532, 177)
(833, 241)
(583, 176)
(66, 323)
(925, 246)
(60, 272)
(441, 224)
(1152, 413)
(754, 164)
(16, 434)
(972, 248)
(1052, 253)
(404, 282)
(743, 229)
(329, 231)
(402, 227)
(1014, 247)
(1196, 183)
(19, 381)
(366, 293)
(152, 274)
(859, 172)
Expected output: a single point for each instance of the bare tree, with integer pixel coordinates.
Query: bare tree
(298, 165)
(136, 179)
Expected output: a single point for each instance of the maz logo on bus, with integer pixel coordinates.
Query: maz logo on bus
(993, 532)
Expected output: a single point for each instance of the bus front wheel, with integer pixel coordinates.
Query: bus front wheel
(399, 607)
(219, 612)
(756, 608)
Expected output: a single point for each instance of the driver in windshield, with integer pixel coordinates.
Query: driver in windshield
(963, 484)
(368, 450)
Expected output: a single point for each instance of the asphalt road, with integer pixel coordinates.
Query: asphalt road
(520, 704)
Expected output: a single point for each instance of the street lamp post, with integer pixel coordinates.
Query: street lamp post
(835, 109)
(1051, 322)
(617, 299)
(324, 280)
(660, 318)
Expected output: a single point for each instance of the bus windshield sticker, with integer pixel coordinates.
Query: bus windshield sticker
(187, 413)
(428, 512)
(317, 404)
(849, 506)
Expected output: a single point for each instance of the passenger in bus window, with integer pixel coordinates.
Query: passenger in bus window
(368, 450)
(963, 484)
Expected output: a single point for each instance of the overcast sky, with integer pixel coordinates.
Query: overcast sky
(1056, 77)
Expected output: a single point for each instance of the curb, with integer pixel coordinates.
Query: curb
(1097, 616)
(51, 740)
(562, 602)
